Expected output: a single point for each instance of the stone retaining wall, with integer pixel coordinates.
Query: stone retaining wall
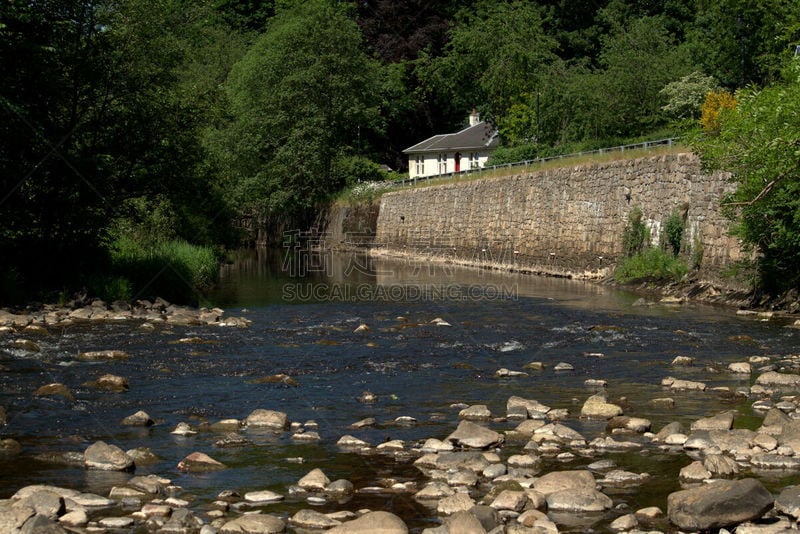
(564, 222)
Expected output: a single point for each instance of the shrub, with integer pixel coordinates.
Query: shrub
(652, 264)
(673, 233)
(636, 234)
(175, 270)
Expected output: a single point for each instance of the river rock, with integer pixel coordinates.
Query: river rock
(315, 480)
(183, 429)
(535, 409)
(464, 523)
(54, 390)
(634, 424)
(105, 457)
(44, 502)
(352, 442)
(671, 428)
(199, 462)
(598, 407)
(663, 402)
(723, 421)
(721, 466)
(27, 345)
(477, 412)
(152, 484)
(718, 505)
(694, 472)
(182, 521)
(40, 524)
(340, 488)
(788, 502)
(774, 461)
(271, 419)
(469, 434)
(254, 524)
(75, 518)
(742, 368)
(434, 490)
(262, 496)
(686, 385)
(779, 380)
(579, 500)
(686, 361)
(110, 383)
(371, 523)
(563, 366)
(556, 481)
(143, 456)
(102, 355)
(140, 418)
(314, 520)
(510, 500)
(458, 502)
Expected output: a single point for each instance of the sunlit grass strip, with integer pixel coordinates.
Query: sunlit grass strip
(652, 264)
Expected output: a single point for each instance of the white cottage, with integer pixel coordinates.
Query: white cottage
(447, 153)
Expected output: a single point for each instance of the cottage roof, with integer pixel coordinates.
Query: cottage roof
(478, 137)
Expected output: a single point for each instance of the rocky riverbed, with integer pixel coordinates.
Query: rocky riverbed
(525, 468)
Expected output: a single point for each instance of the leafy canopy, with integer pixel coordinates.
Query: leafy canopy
(759, 142)
(301, 98)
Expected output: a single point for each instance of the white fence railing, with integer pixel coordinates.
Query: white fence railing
(450, 175)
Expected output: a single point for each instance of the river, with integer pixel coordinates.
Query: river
(304, 314)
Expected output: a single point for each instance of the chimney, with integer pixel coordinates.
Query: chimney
(474, 117)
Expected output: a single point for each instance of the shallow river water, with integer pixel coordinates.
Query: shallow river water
(303, 320)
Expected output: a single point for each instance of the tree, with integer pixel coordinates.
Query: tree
(686, 96)
(742, 42)
(758, 142)
(302, 97)
(637, 62)
(496, 54)
(99, 106)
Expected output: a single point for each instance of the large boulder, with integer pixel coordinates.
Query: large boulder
(105, 457)
(469, 434)
(579, 500)
(598, 407)
(371, 523)
(270, 419)
(254, 524)
(778, 380)
(788, 502)
(557, 481)
(199, 462)
(718, 505)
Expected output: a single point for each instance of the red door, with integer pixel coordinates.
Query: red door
(458, 161)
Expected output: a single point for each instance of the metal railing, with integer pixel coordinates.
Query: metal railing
(408, 182)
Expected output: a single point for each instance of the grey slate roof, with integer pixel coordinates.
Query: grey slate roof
(478, 137)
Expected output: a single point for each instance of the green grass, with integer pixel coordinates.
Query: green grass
(652, 264)
(174, 270)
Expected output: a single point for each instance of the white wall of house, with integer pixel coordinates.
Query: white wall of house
(434, 164)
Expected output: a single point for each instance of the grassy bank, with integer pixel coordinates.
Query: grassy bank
(174, 270)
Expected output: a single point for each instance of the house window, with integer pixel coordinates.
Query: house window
(442, 163)
(474, 160)
(420, 165)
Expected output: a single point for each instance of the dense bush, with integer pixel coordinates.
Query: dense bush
(174, 270)
(652, 264)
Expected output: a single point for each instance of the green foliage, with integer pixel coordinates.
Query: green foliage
(673, 233)
(301, 97)
(174, 270)
(351, 170)
(496, 53)
(685, 96)
(758, 142)
(651, 264)
(636, 235)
